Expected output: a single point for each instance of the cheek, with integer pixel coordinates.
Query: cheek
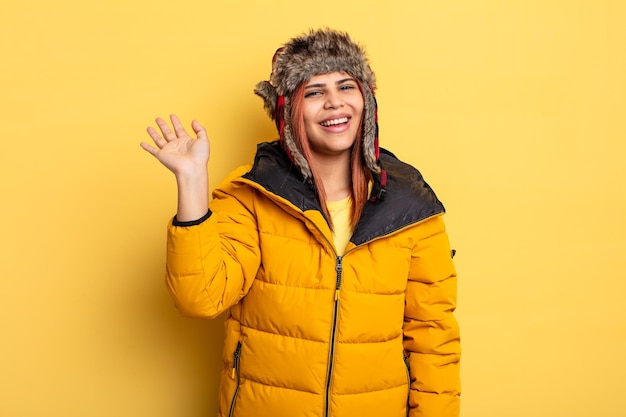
(358, 105)
(308, 114)
(360, 112)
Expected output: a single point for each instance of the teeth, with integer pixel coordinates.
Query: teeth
(335, 121)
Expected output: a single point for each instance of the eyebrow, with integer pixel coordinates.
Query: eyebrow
(318, 85)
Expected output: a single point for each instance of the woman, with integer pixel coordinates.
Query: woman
(329, 255)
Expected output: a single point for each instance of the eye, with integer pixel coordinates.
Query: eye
(312, 93)
(348, 87)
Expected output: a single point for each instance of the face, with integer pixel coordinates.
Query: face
(333, 108)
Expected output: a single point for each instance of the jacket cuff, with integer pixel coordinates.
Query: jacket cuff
(175, 222)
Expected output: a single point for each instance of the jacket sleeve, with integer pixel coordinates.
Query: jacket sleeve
(431, 333)
(211, 266)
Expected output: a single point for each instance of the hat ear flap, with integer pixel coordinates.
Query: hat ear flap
(268, 93)
(371, 150)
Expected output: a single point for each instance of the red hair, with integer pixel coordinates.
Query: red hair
(360, 174)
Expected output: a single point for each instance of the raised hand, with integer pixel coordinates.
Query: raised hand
(187, 158)
(178, 151)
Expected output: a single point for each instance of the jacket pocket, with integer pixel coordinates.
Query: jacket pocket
(235, 375)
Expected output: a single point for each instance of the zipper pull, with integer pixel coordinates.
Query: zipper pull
(236, 359)
(339, 269)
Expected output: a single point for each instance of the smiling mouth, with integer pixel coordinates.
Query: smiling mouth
(334, 122)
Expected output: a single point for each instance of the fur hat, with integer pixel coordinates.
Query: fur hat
(318, 52)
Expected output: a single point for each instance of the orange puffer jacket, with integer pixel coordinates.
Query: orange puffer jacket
(311, 334)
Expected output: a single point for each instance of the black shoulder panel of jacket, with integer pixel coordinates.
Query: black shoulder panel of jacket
(275, 171)
(408, 199)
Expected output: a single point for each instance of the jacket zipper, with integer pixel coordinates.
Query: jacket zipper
(405, 355)
(331, 351)
(235, 373)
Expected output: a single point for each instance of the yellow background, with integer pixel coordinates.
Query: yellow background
(513, 110)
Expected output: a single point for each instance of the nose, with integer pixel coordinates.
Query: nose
(333, 100)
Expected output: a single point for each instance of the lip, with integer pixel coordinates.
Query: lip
(338, 128)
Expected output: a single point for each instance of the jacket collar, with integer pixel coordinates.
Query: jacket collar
(408, 198)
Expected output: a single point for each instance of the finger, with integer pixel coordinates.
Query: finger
(158, 140)
(165, 129)
(199, 130)
(148, 148)
(178, 126)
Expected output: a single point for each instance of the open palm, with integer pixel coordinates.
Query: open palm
(178, 151)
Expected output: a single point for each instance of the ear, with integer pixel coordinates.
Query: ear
(268, 93)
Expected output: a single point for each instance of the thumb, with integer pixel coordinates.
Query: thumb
(199, 129)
